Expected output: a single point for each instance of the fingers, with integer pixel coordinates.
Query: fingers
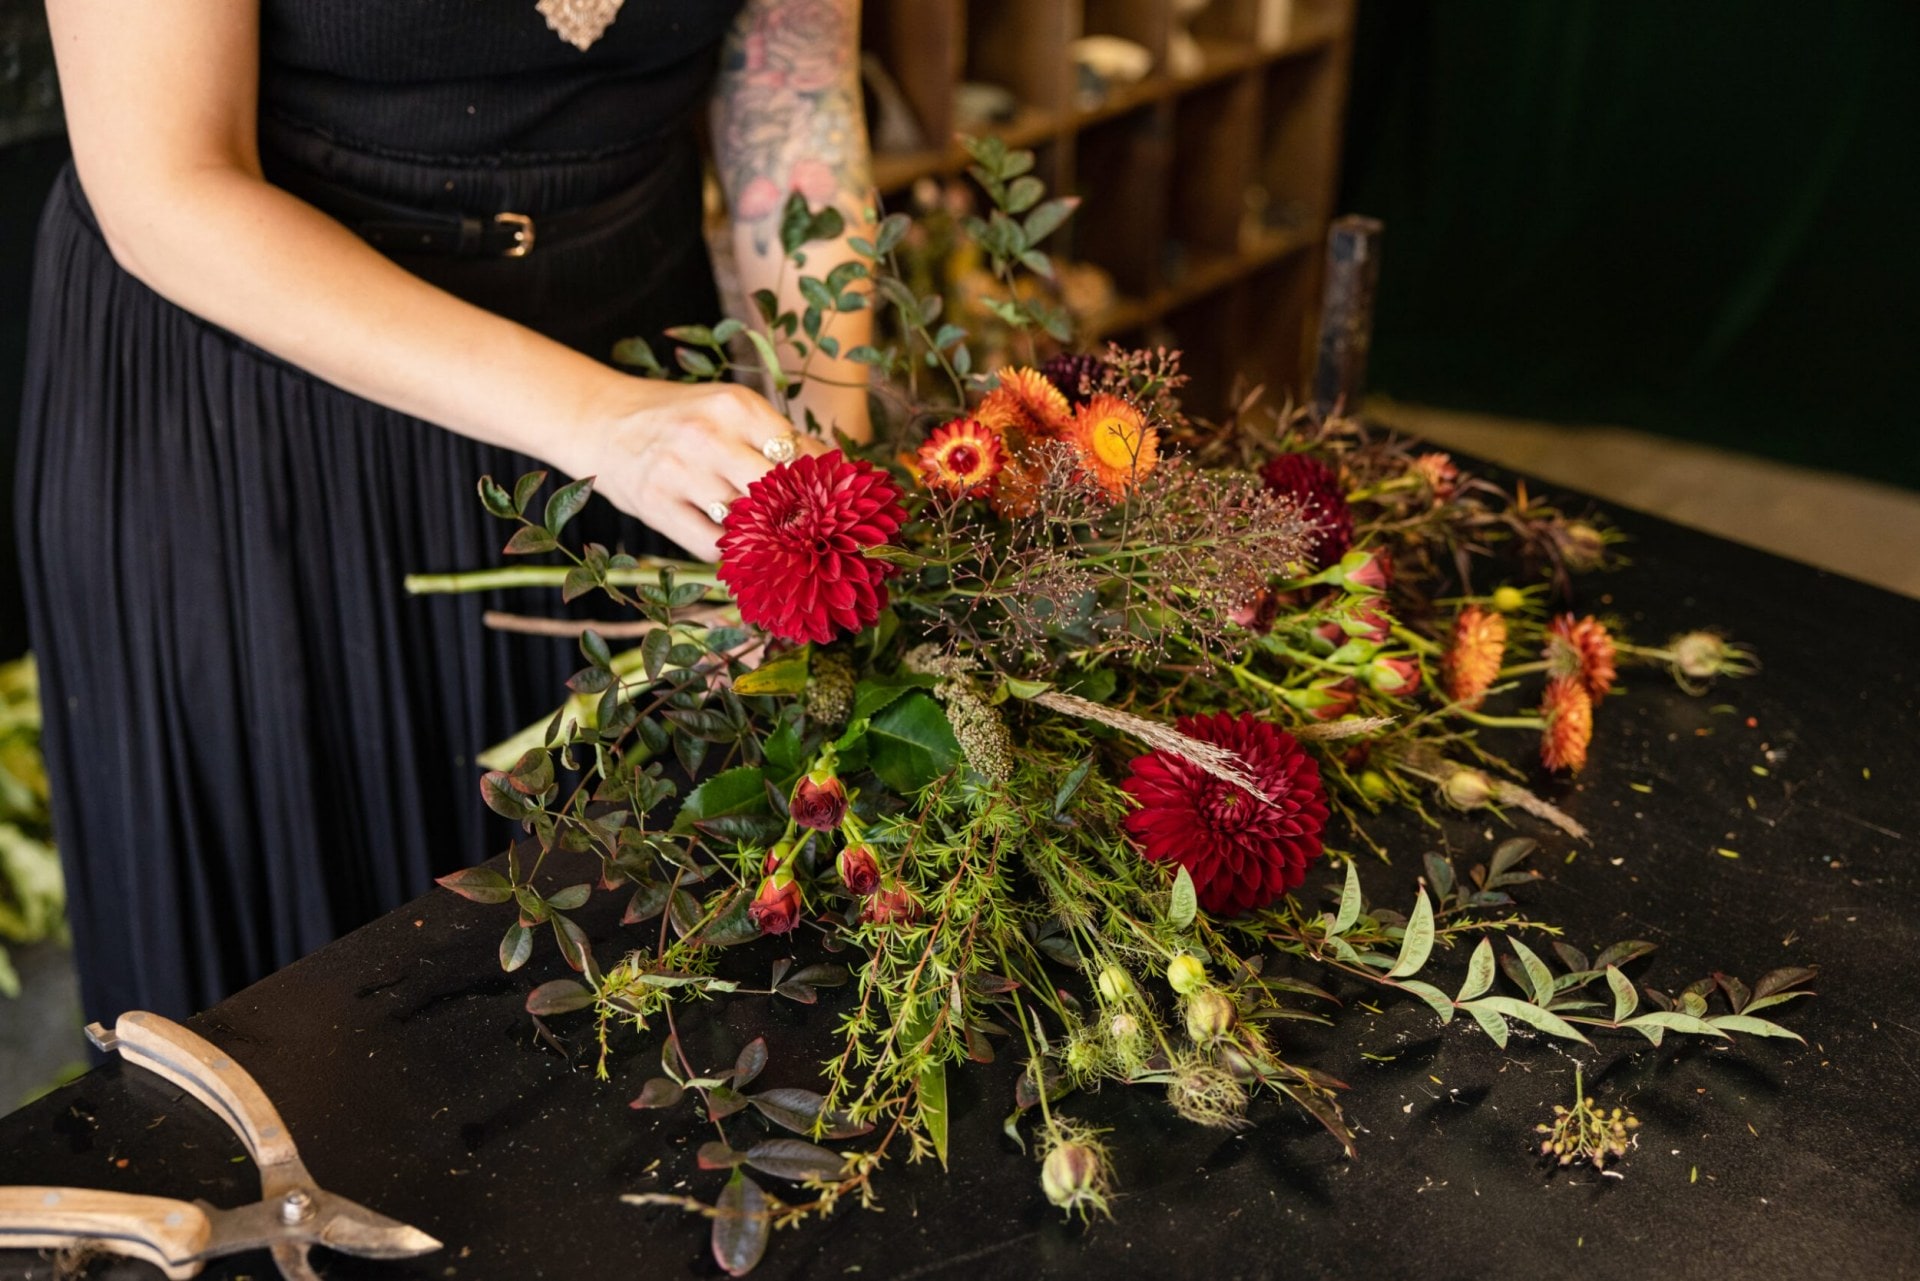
(738, 464)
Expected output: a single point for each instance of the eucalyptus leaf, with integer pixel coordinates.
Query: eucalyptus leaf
(1349, 900)
(1545, 1020)
(1625, 999)
(1539, 977)
(1433, 996)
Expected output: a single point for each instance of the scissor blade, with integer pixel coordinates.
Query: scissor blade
(291, 1258)
(351, 1228)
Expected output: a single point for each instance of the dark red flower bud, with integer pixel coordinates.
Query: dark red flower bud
(776, 908)
(1375, 573)
(1394, 677)
(819, 805)
(859, 870)
(892, 905)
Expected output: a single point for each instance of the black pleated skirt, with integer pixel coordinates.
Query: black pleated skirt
(257, 740)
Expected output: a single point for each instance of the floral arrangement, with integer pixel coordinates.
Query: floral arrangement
(33, 896)
(1054, 726)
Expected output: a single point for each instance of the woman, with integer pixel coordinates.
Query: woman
(320, 265)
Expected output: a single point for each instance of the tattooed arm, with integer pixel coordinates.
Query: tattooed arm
(786, 117)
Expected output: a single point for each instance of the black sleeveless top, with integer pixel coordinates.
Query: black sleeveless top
(451, 81)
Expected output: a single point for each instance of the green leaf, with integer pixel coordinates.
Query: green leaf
(653, 652)
(529, 539)
(1417, 944)
(1780, 980)
(1349, 900)
(1185, 902)
(770, 359)
(570, 898)
(1674, 1021)
(1490, 1023)
(1623, 952)
(1756, 1027)
(785, 675)
(697, 335)
(594, 647)
(735, 791)
(1024, 193)
(794, 1159)
(933, 1107)
(525, 488)
(1759, 1003)
(1539, 977)
(561, 996)
(1071, 785)
(1545, 1020)
(893, 229)
(1479, 972)
(1433, 996)
(516, 945)
(1625, 999)
(481, 884)
(495, 499)
(798, 1110)
(658, 1092)
(566, 504)
(1046, 219)
(575, 949)
(1509, 854)
(742, 1222)
(750, 1062)
(910, 744)
(696, 363)
(637, 353)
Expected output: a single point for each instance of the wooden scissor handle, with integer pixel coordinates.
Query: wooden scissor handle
(171, 1235)
(205, 1071)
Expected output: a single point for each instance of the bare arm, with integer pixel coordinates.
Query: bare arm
(161, 99)
(787, 117)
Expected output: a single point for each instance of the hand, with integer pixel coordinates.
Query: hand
(666, 452)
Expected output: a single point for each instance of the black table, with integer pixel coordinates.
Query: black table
(402, 1060)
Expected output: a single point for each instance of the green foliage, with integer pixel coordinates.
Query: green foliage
(32, 893)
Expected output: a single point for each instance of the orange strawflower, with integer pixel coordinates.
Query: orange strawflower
(961, 457)
(1583, 651)
(1046, 409)
(1115, 443)
(1437, 469)
(1479, 646)
(1569, 712)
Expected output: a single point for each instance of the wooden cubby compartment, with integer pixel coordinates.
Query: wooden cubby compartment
(1205, 196)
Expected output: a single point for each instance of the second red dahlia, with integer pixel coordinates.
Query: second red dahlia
(792, 551)
(1314, 486)
(1242, 854)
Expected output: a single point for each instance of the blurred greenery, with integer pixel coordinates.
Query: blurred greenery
(1692, 219)
(32, 895)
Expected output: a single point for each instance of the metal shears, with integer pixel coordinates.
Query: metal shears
(292, 1215)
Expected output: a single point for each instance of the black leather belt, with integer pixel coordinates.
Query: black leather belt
(400, 229)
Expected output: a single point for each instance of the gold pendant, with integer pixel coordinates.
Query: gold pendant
(579, 22)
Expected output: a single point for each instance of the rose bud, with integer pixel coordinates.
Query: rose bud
(1210, 1015)
(1367, 571)
(892, 905)
(1257, 613)
(777, 857)
(1394, 677)
(819, 803)
(1339, 699)
(1185, 974)
(1364, 624)
(776, 908)
(859, 870)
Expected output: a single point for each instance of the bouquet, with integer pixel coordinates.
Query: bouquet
(1054, 727)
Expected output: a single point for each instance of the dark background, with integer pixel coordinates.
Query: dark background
(1691, 219)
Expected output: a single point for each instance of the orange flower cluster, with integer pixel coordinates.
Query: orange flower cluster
(988, 454)
(1569, 712)
(1581, 651)
(1479, 647)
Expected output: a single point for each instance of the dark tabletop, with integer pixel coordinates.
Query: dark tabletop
(403, 1061)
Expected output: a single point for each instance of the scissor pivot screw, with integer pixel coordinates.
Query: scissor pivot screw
(296, 1207)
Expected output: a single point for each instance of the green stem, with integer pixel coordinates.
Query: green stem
(483, 580)
(1502, 722)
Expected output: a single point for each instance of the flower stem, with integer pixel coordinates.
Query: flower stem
(484, 580)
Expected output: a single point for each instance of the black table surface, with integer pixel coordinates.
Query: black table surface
(403, 1061)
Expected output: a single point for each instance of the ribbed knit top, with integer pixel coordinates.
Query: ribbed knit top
(460, 81)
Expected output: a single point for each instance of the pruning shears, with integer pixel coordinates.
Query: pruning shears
(292, 1215)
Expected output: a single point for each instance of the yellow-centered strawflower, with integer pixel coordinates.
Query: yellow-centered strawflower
(1115, 443)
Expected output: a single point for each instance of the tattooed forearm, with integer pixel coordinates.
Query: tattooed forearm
(787, 114)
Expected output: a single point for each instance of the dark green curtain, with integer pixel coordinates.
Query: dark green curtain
(1696, 218)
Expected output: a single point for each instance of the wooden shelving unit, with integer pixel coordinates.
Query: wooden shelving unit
(1206, 196)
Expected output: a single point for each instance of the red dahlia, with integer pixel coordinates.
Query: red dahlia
(1314, 486)
(791, 553)
(1242, 854)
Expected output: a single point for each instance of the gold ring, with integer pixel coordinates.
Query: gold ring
(717, 512)
(781, 449)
